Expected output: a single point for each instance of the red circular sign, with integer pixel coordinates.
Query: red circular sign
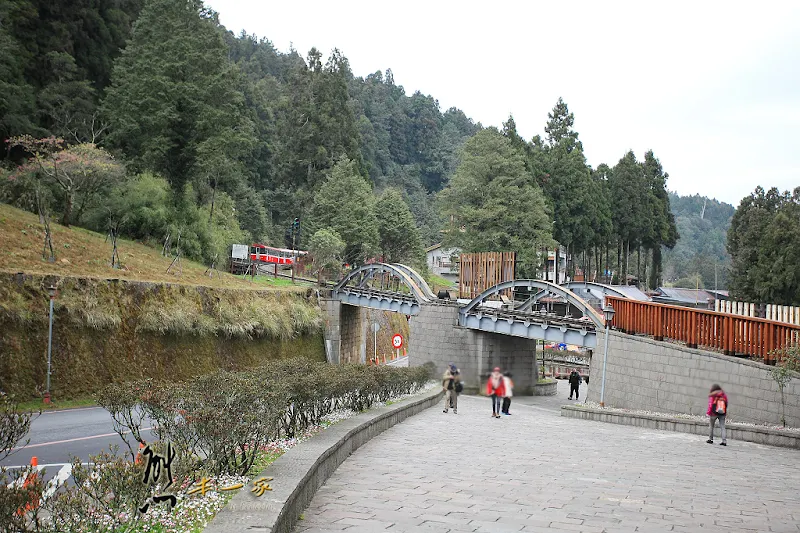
(397, 341)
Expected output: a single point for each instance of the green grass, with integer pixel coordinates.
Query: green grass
(545, 381)
(438, 282)
(269, 281)
(85, 254)
(263, 460)
(35, 405)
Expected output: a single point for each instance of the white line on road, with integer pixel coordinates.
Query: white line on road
(57, 481)
(74, 440)
(69, 410)
(53, 484)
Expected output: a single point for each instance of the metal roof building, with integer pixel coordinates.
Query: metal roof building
(683, 297)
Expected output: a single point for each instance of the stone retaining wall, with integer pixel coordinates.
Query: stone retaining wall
(742, 432)
(650, 375)
(299, 472)
(436, 337)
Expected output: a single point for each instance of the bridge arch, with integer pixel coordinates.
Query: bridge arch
(606, 290)
(418, 279)
(419, 289)
(543, 286)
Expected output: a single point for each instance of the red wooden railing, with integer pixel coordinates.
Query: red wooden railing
(730, 334)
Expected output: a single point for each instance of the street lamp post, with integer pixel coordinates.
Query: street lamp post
(51, 290)
(543, 311)
(608, 314)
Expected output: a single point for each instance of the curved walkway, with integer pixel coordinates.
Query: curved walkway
(536, 471)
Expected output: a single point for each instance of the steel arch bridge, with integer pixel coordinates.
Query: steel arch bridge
(409, 292)
(605, 290)
(523, 323)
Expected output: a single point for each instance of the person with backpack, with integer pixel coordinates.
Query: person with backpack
(508, 385)
(495, 388)
(574, 383)
(451, 383)
(717, 410)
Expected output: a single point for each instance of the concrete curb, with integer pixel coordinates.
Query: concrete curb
(545, 389)
(742, 432)
(299, 472)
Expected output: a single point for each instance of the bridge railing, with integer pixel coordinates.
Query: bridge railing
(730, 334)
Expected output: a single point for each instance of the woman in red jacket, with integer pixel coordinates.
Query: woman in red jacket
(717, 410)
(495, 389)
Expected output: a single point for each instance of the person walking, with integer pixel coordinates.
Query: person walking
(574, 383)
(717, 410)
(508, 385)
(450, 384)
(496, 389)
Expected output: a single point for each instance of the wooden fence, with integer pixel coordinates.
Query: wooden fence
(777, 313)
(727, 333)
(479, 271)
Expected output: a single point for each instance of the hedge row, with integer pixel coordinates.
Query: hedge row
(218, 422)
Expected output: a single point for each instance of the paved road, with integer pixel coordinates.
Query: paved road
(536, 471)
(56, 436)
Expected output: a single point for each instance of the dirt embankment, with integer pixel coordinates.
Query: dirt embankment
(116, 330)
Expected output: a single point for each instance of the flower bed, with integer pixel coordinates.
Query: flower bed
(215, 434)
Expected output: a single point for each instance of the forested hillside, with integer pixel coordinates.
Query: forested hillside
(703, 225)
(149, 119)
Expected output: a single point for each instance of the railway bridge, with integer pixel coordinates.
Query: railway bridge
(660, 357)
(477, 336)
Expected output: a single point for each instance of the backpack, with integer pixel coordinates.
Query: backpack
(719, 406)
(459, 387)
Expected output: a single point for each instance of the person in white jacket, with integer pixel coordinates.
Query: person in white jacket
(509, 392)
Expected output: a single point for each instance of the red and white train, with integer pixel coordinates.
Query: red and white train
(268, 254)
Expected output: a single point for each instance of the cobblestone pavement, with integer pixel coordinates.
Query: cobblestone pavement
(536, 471)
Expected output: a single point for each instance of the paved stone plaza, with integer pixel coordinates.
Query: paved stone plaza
(537, 471)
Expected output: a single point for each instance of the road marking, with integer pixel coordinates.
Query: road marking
(57, 481)
(53, 484)
(69, 410)
(74, 440)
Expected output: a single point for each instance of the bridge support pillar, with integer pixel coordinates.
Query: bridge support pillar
(345, 333)
(436, 337)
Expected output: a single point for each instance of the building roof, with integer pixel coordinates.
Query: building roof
(439, 245)
(682, 296)
(632, 292)
(720, 294)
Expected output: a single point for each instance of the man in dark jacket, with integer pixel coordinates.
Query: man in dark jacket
(450, 381)
(574, 383)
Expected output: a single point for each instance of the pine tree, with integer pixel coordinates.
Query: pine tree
(345, 204)
(763, 240)
(661, 230)
(494, 204)
(559, 126)
(175, 104)
(399, 237)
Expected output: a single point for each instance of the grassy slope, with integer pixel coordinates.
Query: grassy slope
(84, 253)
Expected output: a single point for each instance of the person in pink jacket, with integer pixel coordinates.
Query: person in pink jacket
(495, 387)
(717, 410)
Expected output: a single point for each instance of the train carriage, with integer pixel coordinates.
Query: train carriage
(268, 254)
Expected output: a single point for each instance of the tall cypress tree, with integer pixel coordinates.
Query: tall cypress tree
(661, 230)
(175, 103)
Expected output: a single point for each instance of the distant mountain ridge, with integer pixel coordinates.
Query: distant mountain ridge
(703, 226)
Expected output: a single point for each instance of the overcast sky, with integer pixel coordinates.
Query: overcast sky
(713, 88)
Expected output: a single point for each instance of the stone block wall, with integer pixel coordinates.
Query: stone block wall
(512, 354)
(434, 336)
(333, 329)
(353, 328)
(659, 376)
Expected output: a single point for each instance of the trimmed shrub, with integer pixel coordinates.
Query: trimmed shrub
(218, 422)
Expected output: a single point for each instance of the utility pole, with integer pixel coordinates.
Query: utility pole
(52, 290)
